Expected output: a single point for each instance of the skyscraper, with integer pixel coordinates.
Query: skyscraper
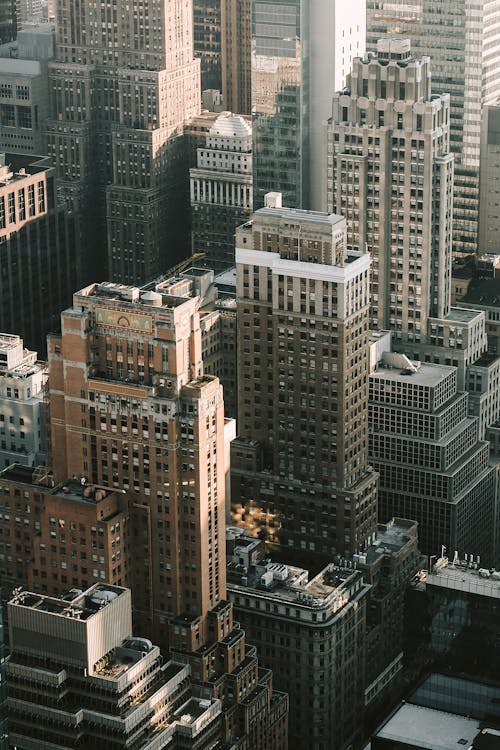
(132, 409)
(39, 252)
(123, 83)
(301, 54)
(207, 41)
(300, 462)
(432, 465)
(221, 189)
(390, 173)
(236, 45)
(463, 42)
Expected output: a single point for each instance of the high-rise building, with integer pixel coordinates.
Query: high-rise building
(390, 173)
(4, 743)
(207, 42)
(452, 625)
(311, 633)
(301, 472)
(236, 46)
(388, 564)
(357, 605)
(392, 18)
(221, 189)
(123, 83)
(78, 676)
(22, 404)
(432, 466)
(74, 534)
(39, 252)
(463, 43)
(489, 181)
(147, 420)
(131, 408)
(301, 54)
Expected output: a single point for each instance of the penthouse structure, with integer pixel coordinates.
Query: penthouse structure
(132, 409)
(390, 174)
(432, 466)
(300, 463)
(22, 404)
(221, 189)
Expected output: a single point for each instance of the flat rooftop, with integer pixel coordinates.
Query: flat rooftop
(467, 577)
(226, 278)
(332, 583)
(15, 67)
(73, 489)
(391, 537)
(429, 375)
(80, 605)
(300, 214)
(427, 728)
(461, 315)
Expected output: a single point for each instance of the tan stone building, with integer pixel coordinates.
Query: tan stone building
(54, 537)
(131, 409)
(300, 464)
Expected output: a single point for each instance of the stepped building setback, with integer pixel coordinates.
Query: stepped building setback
(432, 465)
(132, 410)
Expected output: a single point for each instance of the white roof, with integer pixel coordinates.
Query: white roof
(228, 125)
(428, 728)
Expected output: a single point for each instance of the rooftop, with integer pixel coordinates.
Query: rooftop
(74, 489)
(77, 604)
(461, 315)
(465, 576)
(427, 728)
(300, 214)
(427, 374)
(391, 537)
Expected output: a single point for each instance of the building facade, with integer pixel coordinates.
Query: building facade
(464, 47)
(207, 42)
(489, 215)
(120, 96)
(22, 404)
(300, 463)
(132, 409)
(301, 54)
(221, 190)
(447, 609)
(311, 633)
(236, 46)
(40, 251)
(390, 173)
(57, 536)
(432, 466)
